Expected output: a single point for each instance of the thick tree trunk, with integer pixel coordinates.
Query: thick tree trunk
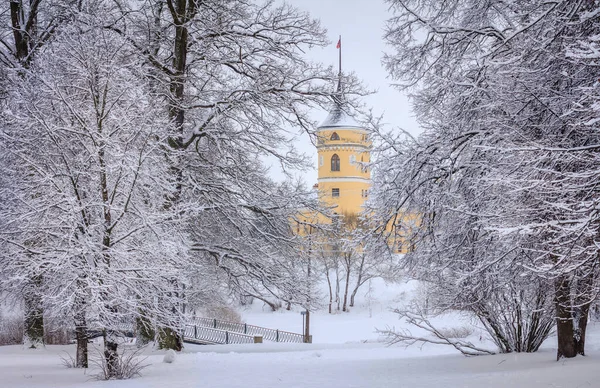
(564, 319)
(169, 339)
(111, 356)
(33, 334)
(21, 33)
(583, 301)
(307, 327)
(144, 332)
(81, 355)
(581, 329)
(182, 12)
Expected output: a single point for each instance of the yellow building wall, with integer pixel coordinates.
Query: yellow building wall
(353, 179)
(400, 229)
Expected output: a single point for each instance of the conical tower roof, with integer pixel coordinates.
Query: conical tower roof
(338, 116)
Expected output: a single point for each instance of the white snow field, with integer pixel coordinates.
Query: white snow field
(347, 353)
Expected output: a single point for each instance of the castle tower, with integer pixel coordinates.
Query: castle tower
(343, 148)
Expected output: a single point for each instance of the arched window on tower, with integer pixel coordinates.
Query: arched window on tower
(335, 136)
(335, 163)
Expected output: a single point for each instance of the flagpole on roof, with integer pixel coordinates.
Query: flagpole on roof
(339, 46)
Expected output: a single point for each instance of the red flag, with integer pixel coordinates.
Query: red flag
(339, 44)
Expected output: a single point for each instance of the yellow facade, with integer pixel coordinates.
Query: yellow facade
(344, 150)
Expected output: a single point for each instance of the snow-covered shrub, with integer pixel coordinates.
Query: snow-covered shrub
(11, 331)
(169, 356)
(68, 361)
(223, 313)
(127, 364)
(595, 312)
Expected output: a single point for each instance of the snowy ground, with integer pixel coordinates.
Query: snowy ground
(345, 354)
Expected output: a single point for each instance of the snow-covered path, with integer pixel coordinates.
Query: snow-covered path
(329, 366)
(346, 354)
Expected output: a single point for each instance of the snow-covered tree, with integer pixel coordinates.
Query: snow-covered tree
(142, 164)
(86, 138)
(503, 176)
(237, 88)
(29, 25)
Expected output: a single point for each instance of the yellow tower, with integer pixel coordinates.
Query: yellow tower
(344, 149)
(344, 179)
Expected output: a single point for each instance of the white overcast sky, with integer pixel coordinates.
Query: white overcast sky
(361, 24)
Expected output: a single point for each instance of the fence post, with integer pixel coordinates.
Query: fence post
(226, 337)
(215, 323)
(195, 332)
(277, 335)
(245, 328)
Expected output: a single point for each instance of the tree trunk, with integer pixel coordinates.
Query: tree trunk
(21, 33)
(346, 288)
(581, 328)
(81, 355)
(352, 296)
(564, 319)
(584, 298)
(169, 339)
(359, 281)
(181, 12)
(337, 289)
(144, 332)
(110, 355)
(307, 327)
(33, 334)
(330, 290)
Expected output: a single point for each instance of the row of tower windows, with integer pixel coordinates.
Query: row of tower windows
(335, 192)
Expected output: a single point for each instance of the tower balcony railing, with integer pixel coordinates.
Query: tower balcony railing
(344, 140)
(362, 172)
